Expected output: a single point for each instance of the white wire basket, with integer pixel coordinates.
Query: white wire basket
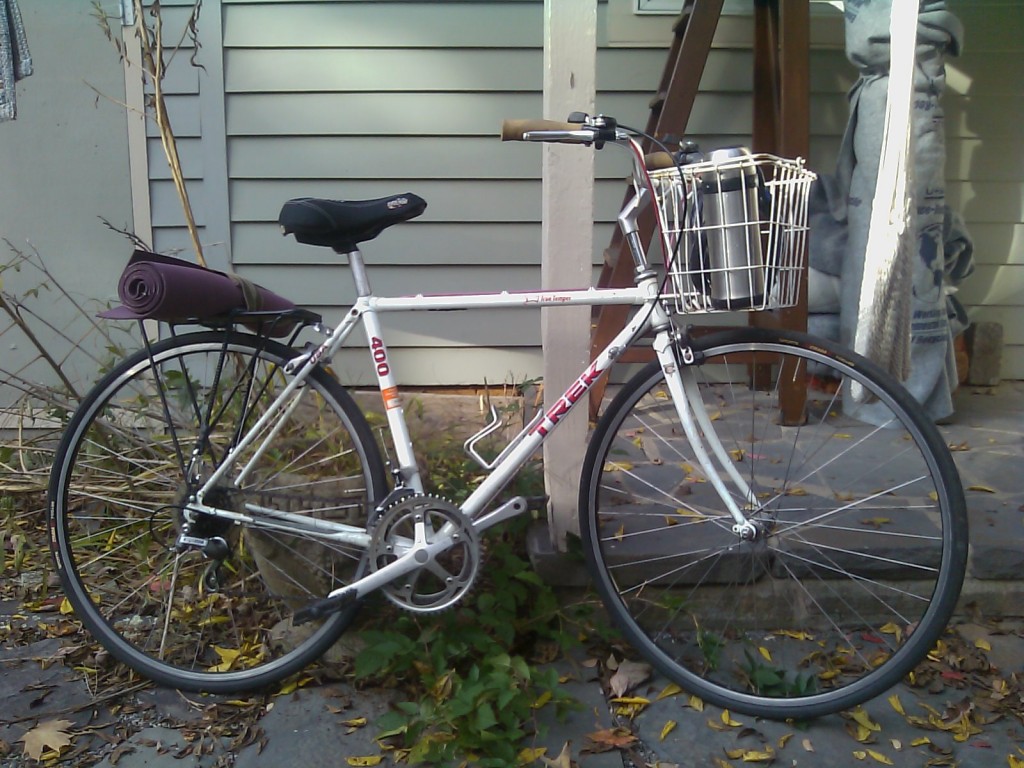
(734, 232)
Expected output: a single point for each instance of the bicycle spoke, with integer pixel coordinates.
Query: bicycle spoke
(847, 543)
(193, 599)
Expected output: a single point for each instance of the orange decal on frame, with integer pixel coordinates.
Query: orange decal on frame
(391, 398)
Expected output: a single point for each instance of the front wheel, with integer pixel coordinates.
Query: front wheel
(213, 613)
(859, 538)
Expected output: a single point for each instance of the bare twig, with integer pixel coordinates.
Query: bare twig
(152, 46)
(16, 317)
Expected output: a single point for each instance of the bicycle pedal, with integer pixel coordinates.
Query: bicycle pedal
(537, 503)
(319, 609)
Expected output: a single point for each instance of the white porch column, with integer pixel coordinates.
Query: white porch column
(570, 49)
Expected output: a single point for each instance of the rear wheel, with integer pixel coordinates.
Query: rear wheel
(860, 533)
(215, 615)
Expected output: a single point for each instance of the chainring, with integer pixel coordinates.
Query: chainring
(445, 579)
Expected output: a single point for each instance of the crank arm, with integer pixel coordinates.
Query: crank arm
(417, 557)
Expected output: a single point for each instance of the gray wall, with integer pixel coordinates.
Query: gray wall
(985, 163)
(64, 164)
(353, 99)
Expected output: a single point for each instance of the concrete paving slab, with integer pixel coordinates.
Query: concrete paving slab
(160, 747)
(309, 728)
(715, 738)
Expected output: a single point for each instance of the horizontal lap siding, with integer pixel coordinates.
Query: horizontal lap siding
(364, 99)
(354, 100)
(985, 164)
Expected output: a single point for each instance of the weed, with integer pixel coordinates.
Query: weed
(472, 677)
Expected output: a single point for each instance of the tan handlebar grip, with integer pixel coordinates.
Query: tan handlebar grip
(655, 161)
(513, 130)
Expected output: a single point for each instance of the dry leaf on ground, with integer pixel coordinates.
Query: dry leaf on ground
(49, 733)
(629, 675)
(564, 759)
(608, 739)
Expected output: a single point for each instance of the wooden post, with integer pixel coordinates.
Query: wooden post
(570, 52)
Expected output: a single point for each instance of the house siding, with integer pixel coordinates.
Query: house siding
(350, 99)
(985, 164)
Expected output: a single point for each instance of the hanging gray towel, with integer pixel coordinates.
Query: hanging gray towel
(841, 209)
(15, 61)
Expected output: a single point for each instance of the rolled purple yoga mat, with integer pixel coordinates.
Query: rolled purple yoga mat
(156, 287)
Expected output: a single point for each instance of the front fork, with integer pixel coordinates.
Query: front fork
(679, 363)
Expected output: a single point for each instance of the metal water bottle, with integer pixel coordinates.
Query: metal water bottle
(729, 206)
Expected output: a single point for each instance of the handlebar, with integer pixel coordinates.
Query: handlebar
(518, 130)
(585, 131)
(597, 131)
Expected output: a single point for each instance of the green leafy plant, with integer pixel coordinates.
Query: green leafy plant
(771, 680)
(472, 679)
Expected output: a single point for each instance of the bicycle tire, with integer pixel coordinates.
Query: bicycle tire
(862, 529)
(129, 459)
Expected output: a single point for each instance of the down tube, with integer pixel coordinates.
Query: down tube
(537, 431)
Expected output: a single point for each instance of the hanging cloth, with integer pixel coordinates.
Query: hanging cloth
(841, 211)
(882, 333)
(15, 61)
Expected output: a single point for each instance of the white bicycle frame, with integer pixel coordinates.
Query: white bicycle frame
(652, 316)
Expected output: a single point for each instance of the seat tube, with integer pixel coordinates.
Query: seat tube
(408, 469)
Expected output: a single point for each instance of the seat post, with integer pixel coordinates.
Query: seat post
(358, 267)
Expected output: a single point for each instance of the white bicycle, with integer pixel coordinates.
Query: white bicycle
(757, 543)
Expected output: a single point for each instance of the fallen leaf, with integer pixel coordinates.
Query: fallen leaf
(806, 744)
(860, 733)
(49, 733)
(892, 629)
(564, 759)
(765, 652)
(864, 719)
(697, 703)
(629, 675)
(122, 749)
(783, 739)
(364, 761)
(228, 656)
(608, 739)
(617, 466)
(895, 703)
(981, 488)
(794, 633)
(876, 522)
(667, 729)
(728, 720)
(879, 757)
(983, 644)
(751, 755)
(669, 690)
